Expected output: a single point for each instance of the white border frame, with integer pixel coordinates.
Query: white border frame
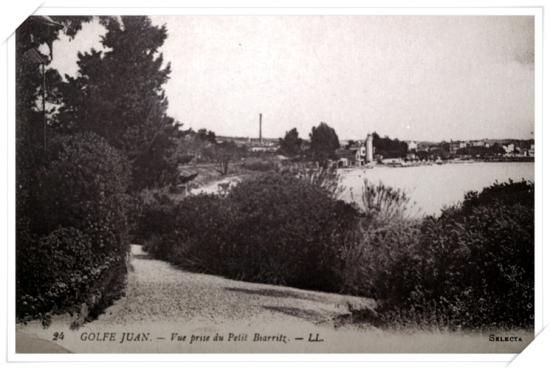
(64, 8)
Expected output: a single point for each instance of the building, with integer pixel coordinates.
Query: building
(369, 149)
(509, 149)
(263, 145)
(454, 146)
(360, 155)
(412, 146)
(263, 148)
(346, 157)
(422, 146)
(357, 154)
(480, 143)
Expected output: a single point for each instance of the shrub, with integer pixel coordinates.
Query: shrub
(326, 178)
(387, 233)
(75, 238)
(471, 267)
(204, 234)
(271, 228)
(293, 229)
(384, 205)
(153, 214)
(84, 187)
(55, 272)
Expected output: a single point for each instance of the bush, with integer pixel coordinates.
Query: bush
(326, 178)
(294, 230)
(84, 187)
(271, 228)
(49, 282)
(386, 234)
(471, 267)
(69, 277)
(75, 237)
(153, 214)
(384, 205)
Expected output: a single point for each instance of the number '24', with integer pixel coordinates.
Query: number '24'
(58, 336)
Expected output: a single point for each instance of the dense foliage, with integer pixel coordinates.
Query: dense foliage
(270, 228)
(119, 94)
(470, 267)
(83, 144)
(291, 143)
(75, 239)
(324, 143)
(387, 147)
(206, 135)
(482, 151)
(31, 132)
(153, 215)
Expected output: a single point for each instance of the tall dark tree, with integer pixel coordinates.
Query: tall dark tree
(119, 94)
(291, 144)
(324, 143)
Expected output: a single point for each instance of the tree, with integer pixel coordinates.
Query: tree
(206, 135)
(118, 94)
(34, 32)
(389, 148)
(31, 127)
(350, 144)
(324, 143)
(222, 153)
(291, 144)
(496, 149)
(71, 199)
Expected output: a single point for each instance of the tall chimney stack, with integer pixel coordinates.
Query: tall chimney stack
(260, 127)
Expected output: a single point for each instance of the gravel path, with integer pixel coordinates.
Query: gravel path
(158, 291)
(163, 304)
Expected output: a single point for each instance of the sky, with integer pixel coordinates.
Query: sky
(411, 77)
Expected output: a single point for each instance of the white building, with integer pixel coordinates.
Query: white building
(412, 145)
(509, 149)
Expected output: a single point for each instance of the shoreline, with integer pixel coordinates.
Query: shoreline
(399, 163)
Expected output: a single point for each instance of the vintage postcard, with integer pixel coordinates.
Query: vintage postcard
(314, 183)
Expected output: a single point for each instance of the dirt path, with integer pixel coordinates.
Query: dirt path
(158, 291)
(163, 304)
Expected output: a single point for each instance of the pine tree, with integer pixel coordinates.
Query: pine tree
(118, 93)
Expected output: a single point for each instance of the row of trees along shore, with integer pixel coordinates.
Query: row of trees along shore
(323, 143)
(95, 177)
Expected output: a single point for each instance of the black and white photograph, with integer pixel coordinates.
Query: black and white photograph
(275, 183)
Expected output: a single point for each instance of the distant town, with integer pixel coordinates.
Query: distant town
(375, 149)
